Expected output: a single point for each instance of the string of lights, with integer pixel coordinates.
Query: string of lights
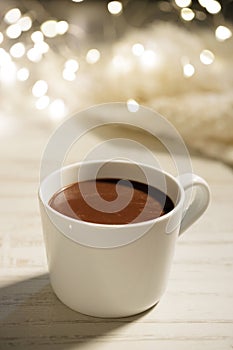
(60, 69)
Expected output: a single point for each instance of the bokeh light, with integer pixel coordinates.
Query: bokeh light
(138, 49)
(203, 3)
(42, 102)
(57, 110)
(41, 47)
(92, 56)
(207, 57)
(49, 28)
(23, 74)
(138, 53)
(13, 31)
(149, 59)
(72, 65)
(12, 16)
(4, 57)
(25, 23)
(17, 50)
(37, 36)
(34, 55)
(62, 27)
(40, 88)
(115, 7)
(213, 7)
(188, 70)
(187, 14)
(132, 105)
(222, 33)
(183, 3)
(8, 73)
(68, 75)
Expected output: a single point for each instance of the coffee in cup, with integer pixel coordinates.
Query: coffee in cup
(146, 202)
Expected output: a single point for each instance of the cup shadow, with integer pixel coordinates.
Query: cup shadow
(32, 317)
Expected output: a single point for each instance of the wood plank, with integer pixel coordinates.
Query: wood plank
(196, 311)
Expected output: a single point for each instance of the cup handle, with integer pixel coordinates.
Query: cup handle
(200, 202)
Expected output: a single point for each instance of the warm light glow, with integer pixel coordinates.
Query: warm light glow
(203, 3)
(77, 0)
(132, 106)
(39, 88)
(1, 37)
(23, 74)
(34, 55)
(17, 50)
(57, 110)
(41, 47)
(62, 27)
(49, 28)
(25, 23)
(5, 58)
(42, 102)
(72, 65)
(138, 49)
(8, 73)
(207, 57)
(93, 56)
(8, 126)
(12, 16)
(222, 33)
(188, 70)
(115, 7)
(213, 7)
(68, 75)
(183, 3)
(187, 14)
(13, 31)
(37, 36)
(149, 59)
(121, 64)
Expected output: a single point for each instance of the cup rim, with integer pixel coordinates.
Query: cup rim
(134, 224)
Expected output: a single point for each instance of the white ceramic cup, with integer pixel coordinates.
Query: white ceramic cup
(115, 270)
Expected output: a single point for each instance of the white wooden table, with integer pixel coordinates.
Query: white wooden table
(196, 311)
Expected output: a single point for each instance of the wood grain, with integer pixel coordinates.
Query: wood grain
(196, 311)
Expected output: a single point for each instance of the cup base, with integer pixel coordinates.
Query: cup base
(108, 315)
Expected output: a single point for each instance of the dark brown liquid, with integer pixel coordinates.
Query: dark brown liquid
(146, 202)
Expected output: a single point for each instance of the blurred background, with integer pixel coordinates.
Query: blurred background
(175, 56)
